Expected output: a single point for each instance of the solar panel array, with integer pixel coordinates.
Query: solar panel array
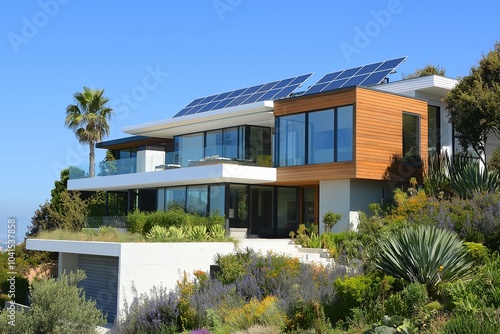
(268, 91)
(368, 75)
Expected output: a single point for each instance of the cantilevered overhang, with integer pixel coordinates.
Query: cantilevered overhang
(259, 113)
(128, 142)
(432, 84)
(224, 172)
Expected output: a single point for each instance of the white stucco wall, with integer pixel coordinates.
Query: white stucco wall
(147, 160)
(67, 262)
(162, 264)
(365, 192)
(143, 264)
(348, 197)
(334, 195)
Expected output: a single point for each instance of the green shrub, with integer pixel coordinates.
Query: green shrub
(469, 323)
(434, 306)
(215, 219)
(480, 293)
(308, 315)
(359, 291)
(58, 306)
(21, 290)
(107, 230)
(136, 221)
(175, 217)
(424, 254)
(477, 252)
(232, 266)
(494, 162)
(265, 312)
(409, 302)
(330, 219)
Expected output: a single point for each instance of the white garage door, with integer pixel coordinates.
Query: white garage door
(101, 283)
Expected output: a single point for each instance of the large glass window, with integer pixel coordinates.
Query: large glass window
(259, 146)
(244, 142)
(292, 139)
(191, 148)
(434, 144)
(213, 143)
(175, 196)
(344, 133)
(262, 210)
(197, 200)
(321, 137)
(287, 210)
(308, 206)
(160, 205)
(411, 135)
(217, 199)
(231, 143)
(328, 137)
(238, 211)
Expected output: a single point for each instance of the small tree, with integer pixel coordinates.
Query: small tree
(88, 118)
(494, 163)
(73, 213)
(474, 104)
(330, 219)
(57, 306)
(427, 70)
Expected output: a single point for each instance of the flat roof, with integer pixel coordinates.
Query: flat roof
(128, 142)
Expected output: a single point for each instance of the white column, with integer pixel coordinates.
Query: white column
(334, 195)
(67, 262)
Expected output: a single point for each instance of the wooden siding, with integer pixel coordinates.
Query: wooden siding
(378, 127)
(315, 102)
(312, 174)
(378, 130)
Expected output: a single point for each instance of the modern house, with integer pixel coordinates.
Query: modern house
(267, 158)
(268, 164)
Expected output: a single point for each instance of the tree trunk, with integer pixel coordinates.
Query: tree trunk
(91, 159)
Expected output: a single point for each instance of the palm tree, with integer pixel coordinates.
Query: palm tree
(88, 118)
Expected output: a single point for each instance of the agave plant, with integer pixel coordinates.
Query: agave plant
(424, 254)
(157, 232)
(197, 232)
(467, 178)
(176, 233)
(217, 232)
(462, 175)
(436, 176)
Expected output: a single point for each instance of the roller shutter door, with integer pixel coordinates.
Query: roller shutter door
(101, 283)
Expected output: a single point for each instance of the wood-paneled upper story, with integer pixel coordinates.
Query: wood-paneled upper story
(377, 133)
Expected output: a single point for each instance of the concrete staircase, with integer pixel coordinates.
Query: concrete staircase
(286, 247)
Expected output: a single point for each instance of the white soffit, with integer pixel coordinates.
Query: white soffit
(432, 84)
(218, 173)
(259, 113)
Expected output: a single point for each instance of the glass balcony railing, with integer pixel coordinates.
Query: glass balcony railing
(105, 168)
(172, 160)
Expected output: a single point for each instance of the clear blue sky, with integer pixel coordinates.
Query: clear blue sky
(51, 48)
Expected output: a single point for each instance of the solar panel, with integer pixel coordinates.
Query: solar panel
(268, 91)
(368, 75)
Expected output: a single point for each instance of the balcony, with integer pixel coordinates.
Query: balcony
(151, 169)
(151, 161)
